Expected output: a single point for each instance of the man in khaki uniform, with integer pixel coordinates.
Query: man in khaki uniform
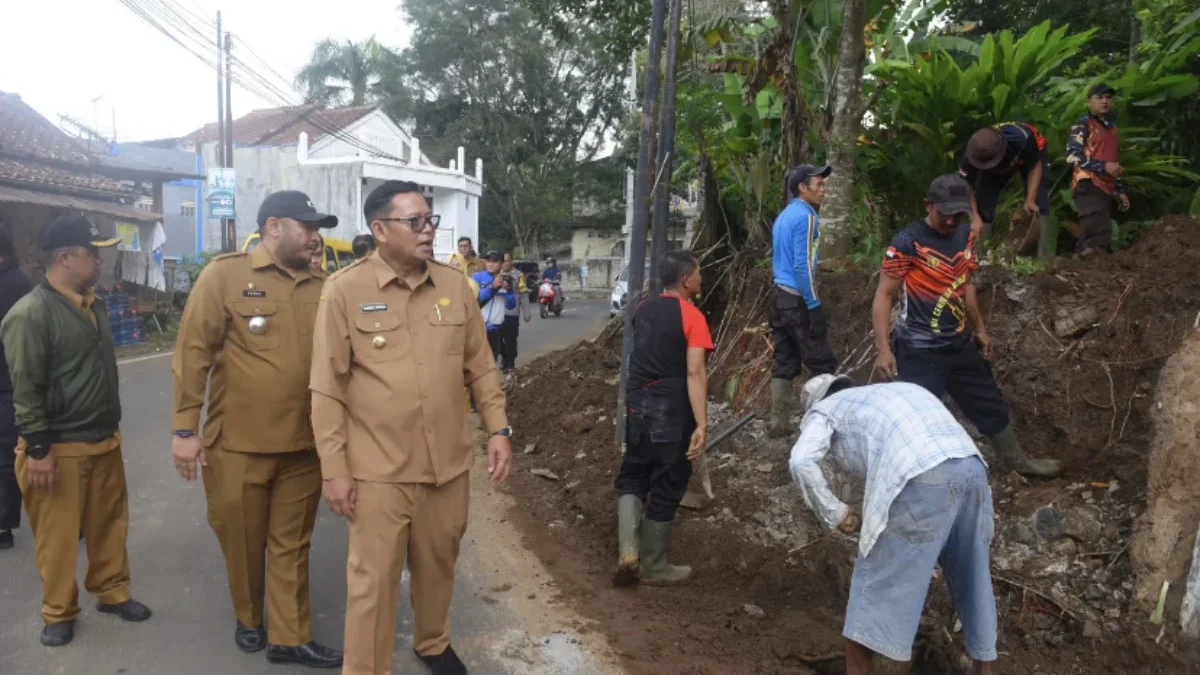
(68, 407)
(398, 337)
(249, 324)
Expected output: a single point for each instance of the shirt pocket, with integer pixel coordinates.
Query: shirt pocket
(376, 337)
(245, 317)
(448, 328)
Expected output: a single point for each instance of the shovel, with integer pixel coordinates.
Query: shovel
(701, 463)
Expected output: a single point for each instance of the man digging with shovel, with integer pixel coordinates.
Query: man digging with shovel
(667, 422)
(926, 503)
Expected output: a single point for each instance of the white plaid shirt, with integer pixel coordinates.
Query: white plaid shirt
(886, 434)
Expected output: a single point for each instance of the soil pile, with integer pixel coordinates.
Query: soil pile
(1079, 349)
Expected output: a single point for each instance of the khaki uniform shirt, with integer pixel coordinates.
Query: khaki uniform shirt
(79, 449)
(390, 361)
(258, 398)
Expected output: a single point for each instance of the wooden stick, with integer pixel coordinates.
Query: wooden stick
(1039, 594)
(1128, 287)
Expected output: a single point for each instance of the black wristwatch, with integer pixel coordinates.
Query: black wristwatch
(506, 432)
(37, 446)
(184, 433)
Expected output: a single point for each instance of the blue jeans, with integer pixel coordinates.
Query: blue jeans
(943, 516)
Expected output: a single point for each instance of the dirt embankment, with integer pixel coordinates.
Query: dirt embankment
(1080, 347)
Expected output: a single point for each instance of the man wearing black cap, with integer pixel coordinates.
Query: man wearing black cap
(994, 155)
(1092, 151)
(68, 409)
(496, 296)
(246, 341)
(940, 341)
(799, 329)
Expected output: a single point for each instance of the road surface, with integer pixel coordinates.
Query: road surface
(505, 614)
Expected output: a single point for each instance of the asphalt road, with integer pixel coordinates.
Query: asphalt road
(505, 614)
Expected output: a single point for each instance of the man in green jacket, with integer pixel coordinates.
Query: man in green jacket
(65, 394)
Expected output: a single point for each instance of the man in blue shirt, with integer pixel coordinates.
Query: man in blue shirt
(495, 296)
(799, 329)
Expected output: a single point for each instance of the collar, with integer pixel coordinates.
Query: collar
(83, 302)
(1108, 120)
(384, 274)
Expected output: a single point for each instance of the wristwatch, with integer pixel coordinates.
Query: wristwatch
(37, 446)
(506, 432)
(184, 433)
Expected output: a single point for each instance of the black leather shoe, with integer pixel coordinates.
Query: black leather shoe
(446, 663)
(313, 655)
(6, 539)
(58, 634)
(130, 610)
(250, 640)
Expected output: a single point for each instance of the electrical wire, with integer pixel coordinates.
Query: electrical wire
(167, 17)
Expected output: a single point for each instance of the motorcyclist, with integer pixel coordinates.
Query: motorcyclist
(554, 276)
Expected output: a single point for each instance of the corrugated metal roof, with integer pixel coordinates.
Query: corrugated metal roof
(21, 196)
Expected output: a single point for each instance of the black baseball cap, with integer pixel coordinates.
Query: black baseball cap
(494, 256)
(295, 205)
(1100, 89)
(950, 194)
(802, 173)
(67, 231)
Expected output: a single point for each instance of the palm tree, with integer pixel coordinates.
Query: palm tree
(344, 73)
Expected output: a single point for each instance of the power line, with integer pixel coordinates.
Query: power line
(165, 15)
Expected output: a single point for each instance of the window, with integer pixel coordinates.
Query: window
(345, 258)
(187, 208)
(330, 260)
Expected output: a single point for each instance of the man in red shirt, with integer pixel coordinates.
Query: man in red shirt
(667, 422)
(1092, 146)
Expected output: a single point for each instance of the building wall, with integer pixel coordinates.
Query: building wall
(593, 243)
(374, 129)
(184, 231)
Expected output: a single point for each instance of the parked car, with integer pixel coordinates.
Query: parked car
(532, 272)
(620, 293)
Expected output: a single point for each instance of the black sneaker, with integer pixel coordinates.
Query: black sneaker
(446, 663)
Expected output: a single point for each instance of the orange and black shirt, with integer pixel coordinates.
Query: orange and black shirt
(935, 269)
(664, 328)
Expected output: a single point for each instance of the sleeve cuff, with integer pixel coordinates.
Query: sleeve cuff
(334, 467)
(188, 419)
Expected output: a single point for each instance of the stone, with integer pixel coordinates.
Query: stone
(1073, 322)
(1084, 524)
(1023, 532)
(1066, 547)
(530, 449)
(544, 473)
(1094, 593)
(1051, 567)
(754, 611)
(1092, 630)
(1050, 523)
(1112, 613)
(765, 467)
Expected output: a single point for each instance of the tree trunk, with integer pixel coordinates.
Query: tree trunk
(838, 206)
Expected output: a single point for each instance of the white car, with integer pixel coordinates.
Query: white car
(620, 293)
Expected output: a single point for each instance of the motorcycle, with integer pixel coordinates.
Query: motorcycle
(550, 299)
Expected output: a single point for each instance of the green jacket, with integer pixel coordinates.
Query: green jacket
(64, 368)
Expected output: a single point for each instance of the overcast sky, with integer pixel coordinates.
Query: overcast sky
(59, 55)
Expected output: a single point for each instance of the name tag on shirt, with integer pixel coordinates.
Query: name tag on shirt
(368, 307)
(254, 294)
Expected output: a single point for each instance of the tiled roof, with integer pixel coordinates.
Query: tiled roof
(21, 196)
(282, 126)
(34, 151)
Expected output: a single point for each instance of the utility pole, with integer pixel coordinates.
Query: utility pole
(637, 247)
(666, 152)
(220, 154)
(231, 223)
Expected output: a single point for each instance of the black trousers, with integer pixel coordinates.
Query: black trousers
(1095, 216)
(509, 330)
(655, 464)
(961, 372)
(494, 343)
(988, 187)
(10, 493)
(794, 339)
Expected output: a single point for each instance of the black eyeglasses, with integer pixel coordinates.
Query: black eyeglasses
(415, 223)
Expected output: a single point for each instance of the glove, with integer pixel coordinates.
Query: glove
(818, 325)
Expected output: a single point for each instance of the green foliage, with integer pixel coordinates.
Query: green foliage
(1023, 266)
(931, 107)
(345, 73)
(194, 266)
(1124, 234)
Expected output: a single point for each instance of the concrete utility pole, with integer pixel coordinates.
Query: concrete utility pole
(230, 223)
(220, 156)
(666, 153)
(637, 247)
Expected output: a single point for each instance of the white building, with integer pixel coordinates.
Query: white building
(337, 157)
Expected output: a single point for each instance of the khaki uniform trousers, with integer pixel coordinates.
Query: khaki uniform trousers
(89, 499)
(262, 508)
(394, 521)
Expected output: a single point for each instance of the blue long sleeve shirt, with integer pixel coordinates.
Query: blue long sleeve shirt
(796, 238)
(493, 302)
